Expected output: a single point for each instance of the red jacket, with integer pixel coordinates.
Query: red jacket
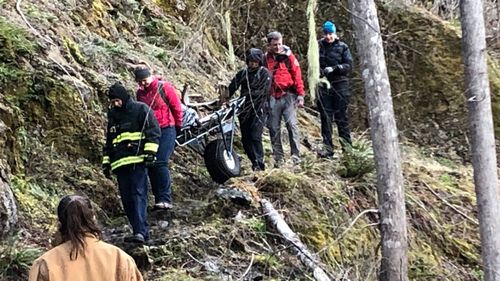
(286, 74)
(170, 115)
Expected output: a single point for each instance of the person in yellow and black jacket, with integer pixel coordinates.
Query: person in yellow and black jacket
(131, 144)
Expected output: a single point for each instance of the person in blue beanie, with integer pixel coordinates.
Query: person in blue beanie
(335, 61)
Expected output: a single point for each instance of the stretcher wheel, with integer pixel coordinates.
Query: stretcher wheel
(221, 164)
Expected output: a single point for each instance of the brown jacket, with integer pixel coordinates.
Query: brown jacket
(101, 262)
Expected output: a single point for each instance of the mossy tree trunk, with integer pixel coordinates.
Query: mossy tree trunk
(8, 209)
(385, 140)
(482, 134)
(303, 253)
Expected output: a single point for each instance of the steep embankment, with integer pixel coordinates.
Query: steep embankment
(53, 76)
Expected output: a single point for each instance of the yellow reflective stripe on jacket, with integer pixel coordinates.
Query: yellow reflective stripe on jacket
(105, 160)
(128, 136)
(151, 146)
(127, 161)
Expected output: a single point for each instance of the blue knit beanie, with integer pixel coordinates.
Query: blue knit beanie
(329, 27)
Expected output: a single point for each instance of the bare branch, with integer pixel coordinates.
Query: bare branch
(449, 204)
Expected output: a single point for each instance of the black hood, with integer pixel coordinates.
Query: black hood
(117, 91)
(255, 54)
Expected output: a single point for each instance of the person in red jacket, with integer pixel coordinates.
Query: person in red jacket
(166, 105)
(287, 93)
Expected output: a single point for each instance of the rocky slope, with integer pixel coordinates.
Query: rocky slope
(58, 57)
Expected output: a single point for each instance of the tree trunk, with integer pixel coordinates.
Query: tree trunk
(482, 134)
(8, 210)
(308, 259)
(497, 33)
(385, 140)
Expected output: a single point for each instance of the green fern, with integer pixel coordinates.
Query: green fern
(16, 257)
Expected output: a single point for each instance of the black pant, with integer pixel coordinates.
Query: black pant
(252, 126)
(332, 105)
(133, 186)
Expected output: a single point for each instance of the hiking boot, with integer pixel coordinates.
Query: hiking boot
(278, 163)
(326, 152)
(295, 160)
(256, 169)
(136, 238)
(163, 206)
(258, 166)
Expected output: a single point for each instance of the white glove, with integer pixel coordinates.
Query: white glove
(328, 69)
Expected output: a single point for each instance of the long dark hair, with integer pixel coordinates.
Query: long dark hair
(77, 220)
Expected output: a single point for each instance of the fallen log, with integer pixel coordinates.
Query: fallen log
(308, 259)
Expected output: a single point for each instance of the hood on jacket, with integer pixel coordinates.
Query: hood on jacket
(284, 54)
(118, 91)
(286, 51)
(255, 54)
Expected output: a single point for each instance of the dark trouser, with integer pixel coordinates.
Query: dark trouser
(332, 104)
(252, 126)
(133, 185)
(159, 175)
(284, 107)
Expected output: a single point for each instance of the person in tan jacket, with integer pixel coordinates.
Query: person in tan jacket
(82, 256)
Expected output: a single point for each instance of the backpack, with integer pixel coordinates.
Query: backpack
(189, 115)
(288, 65)
(287, 62)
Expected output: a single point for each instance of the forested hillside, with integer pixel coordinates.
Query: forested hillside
(58, 58)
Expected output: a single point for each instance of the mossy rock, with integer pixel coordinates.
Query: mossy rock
(15, 41)
(74, 50)
(280, 181)
(37, 204)
(15, 46)
(185, 8)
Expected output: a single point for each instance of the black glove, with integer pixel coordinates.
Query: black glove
(178, 131)
(106, 170)
(149, 160)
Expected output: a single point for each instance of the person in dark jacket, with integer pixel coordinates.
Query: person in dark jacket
(254, 82)
(131, 144)
(162, 98)
(335, 61)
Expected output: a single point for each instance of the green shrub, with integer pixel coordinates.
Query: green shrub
(357, 159)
